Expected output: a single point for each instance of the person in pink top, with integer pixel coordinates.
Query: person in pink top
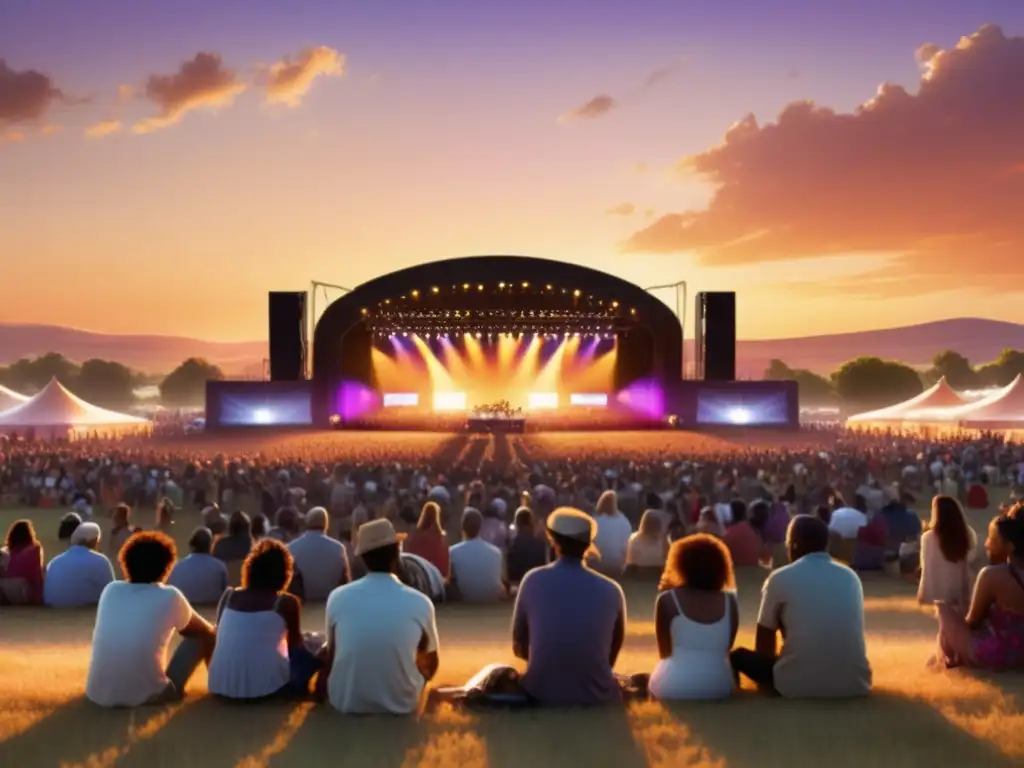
(22, 583)
(743, 537)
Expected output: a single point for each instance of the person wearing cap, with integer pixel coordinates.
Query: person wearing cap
(200, 576)
(322, 561)
(77, 577)
(476, 567)
(569, 621)
(382, 645)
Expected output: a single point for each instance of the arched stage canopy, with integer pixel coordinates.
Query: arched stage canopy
(9, 398)
(495, 289)
(56, 413)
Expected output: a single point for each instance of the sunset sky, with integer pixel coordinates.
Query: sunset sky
(842, 165)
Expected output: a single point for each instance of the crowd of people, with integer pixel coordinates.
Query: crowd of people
(552, 534)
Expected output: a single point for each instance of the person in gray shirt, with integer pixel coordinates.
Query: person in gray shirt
(200, 576)
(569, 621)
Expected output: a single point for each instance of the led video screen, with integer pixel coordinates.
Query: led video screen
(738, 408)
(589, 400)
(288, 408)
(401, 399)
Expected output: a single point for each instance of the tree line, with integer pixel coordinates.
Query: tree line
(108, 383)
(874, 382)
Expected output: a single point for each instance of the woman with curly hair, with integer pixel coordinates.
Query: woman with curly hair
(261, 651)
(695, 620)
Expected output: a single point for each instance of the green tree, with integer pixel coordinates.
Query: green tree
(186, 384)
(29, 375)
(873, 382)
(106, 383)
(813, 388)
(956, 368)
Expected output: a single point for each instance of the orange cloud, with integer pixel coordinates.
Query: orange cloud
(25, 95)
(596, 107)
(289, 80)
(925, 176)
(622, 209)
(202, 82)
(103, 128)
(10, 135)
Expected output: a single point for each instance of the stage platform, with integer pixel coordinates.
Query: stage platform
(492, 426)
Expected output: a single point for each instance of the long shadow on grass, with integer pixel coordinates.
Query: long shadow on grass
(751, 730)
(80, 731)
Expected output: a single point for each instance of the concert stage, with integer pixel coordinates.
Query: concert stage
(562, 346)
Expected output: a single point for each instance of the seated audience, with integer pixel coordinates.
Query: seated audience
(527, 550)
(165, 515)
(991, 634)
(259, 527)
(903, 524)
(612, 539)
(946, 549)
(135, 621)
(429, 540)
(569, 621)
(120, 529)
(695, 620)
(21, 582)
(708, 522)
(741, 537)
(977, 496)
(847, 521)
(869, 548)
(67, 526)
(237, 543)
(381, 635)
(494, 529)
(200, 576)
(818, 605)
(260, 651)
(77, 577)
(287, 525)
(322, 561)
(215, 520)
(648, 546)
(476, 566)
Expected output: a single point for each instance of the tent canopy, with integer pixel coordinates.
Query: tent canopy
(54, 411)
(939, 396)
(9, 398)
(1007, 405)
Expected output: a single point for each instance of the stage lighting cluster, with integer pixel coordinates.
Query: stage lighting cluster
(549, 323)
(491, 332)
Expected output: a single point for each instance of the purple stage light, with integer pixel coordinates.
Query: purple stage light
(645, 397)
(355, 400)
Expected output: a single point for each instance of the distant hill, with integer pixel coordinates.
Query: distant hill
(149, 354)
(979, 340)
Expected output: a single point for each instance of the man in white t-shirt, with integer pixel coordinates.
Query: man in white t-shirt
(382, 641)
(323, 561)
(847, 522)
(476, 566)
(135, 622)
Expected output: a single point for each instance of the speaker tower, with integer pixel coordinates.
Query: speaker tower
(287, 313)
(716, 336)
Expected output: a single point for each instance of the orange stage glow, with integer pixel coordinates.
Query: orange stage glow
(488, 371)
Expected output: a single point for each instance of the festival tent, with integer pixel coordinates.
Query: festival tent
(9, 398)
(55, 413)
(1003, 410)
(939, 397)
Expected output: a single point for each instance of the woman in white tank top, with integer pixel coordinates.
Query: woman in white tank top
(696, 618)
(260, 649)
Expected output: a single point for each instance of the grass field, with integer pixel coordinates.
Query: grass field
(916, 717)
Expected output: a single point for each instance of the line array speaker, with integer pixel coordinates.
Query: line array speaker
(287, 313)
(716, 336)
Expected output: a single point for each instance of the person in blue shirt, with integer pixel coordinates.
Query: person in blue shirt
(76, 578)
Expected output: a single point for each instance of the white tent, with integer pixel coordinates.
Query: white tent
(1003, 410)
(9, 398)
(939, 397)
(54, 412)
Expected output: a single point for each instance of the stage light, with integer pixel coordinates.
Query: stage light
(335, 419)
(415, 294)
(262, 416)
(435, 289)
(739, 416)
(363, 311)
(465, 286)
(615, 304)
(542, 400)
(479, 335)
(598, 400)
(480, 287)
(501, 286)
(548, 286)
(576, 293)
(449, 401)
(401, 399)
(526, 285)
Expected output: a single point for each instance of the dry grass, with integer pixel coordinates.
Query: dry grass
(916, 717)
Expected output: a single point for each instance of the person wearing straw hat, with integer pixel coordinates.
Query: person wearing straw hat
(569, 621)
(382, 645)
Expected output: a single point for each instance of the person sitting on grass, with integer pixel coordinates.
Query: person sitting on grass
(200, 576)
(76, 578)
(261, 651)
(818, 606)
(382, 644)
(120, 529)
(991, 633)
(695, 620)
(135, 622)
(648, 546)
(528, 550)
(428, 540)
(21, 580)
(569, 621)
(476, 566)
(66, 527)
(322, 560)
